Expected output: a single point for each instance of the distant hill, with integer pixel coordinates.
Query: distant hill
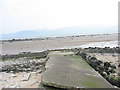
(59, 32)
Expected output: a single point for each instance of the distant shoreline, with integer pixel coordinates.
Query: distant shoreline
(52, 37)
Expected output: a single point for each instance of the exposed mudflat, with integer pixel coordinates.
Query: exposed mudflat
(53, 43)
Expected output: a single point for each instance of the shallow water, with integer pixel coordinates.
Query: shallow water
(110, 44)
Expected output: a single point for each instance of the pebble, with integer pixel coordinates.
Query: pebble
(13, 75)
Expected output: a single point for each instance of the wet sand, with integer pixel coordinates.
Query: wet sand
(53, 43)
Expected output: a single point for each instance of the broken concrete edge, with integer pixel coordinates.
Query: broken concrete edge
(57, 85)
(26, 77)
(46, 59)
(53, 84)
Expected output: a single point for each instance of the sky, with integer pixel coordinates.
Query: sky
(17, 15)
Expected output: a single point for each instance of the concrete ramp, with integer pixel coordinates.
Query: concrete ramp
(71, 71)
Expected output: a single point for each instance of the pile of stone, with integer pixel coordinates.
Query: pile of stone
(106, 69)
(24, 65)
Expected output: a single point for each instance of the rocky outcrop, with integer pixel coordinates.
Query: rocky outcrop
(25, 66)
(34, 55)
(97, 50)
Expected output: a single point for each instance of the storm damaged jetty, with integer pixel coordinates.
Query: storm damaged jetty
(69, 71)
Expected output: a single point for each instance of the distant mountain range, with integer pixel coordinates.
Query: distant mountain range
(59, 32)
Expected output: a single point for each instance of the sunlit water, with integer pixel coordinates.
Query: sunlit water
(110, 44)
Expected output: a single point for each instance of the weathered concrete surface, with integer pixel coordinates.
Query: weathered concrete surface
(67, 71)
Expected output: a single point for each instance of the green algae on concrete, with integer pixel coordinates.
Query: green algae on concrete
(71, 71)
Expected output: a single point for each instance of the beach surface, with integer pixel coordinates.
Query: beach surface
(54, 43)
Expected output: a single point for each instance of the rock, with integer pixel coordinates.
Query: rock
(111, 70)
(37, 67)
(41, 66)
(25, 65)
(39, 71)
(93, 58)
(115, 87)
(29, 69)
(104, 74)
(107, 64)
(101, 67)
(21, 65)
(19, 69)
(113, 66)
(13, 75)
(24, 69)
(11, 71)
(26, 77)
(12, 68)
(115, 74)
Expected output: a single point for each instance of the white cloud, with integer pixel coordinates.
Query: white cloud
(39, 14)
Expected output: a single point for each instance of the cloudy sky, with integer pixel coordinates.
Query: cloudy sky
(17, 15)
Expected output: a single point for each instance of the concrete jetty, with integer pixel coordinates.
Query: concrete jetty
(64, 70)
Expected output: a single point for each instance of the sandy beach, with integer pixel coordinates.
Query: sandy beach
(54, 43)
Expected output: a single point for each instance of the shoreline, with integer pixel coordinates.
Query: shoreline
(51, 37)
(16, 47)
